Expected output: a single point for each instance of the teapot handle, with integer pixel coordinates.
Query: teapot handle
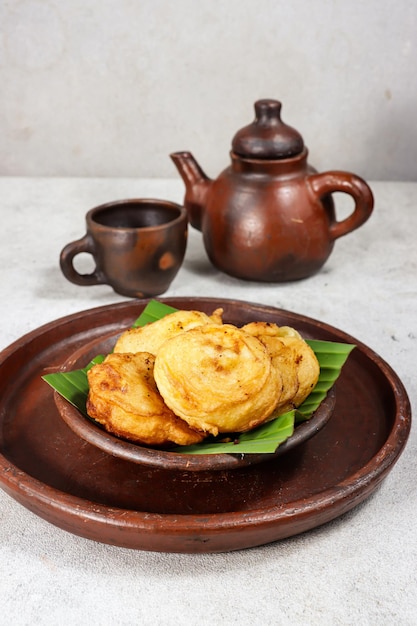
(345, 182)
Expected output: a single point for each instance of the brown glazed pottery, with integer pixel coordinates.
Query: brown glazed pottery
(82, 489)
(96, 435)
(270, 216)
(138, 246)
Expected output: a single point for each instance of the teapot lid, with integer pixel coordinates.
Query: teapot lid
(267, 137)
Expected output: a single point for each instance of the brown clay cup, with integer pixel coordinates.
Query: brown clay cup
(138, 246)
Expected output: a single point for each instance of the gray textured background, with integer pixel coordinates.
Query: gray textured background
(111, 87)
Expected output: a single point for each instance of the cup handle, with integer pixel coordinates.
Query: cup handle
(85, 244)
(345, 182)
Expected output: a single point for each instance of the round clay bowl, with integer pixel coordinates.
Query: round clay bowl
(95, 434)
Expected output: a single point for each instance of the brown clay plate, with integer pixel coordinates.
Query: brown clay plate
(95, 434)
(46, 467)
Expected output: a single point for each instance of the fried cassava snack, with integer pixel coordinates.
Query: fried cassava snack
(149, 338)
(188, 375)
(123, 398)
(292, 357)
(217, 378)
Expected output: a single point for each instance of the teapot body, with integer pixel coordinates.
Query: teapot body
(270, 216)
(263, 222)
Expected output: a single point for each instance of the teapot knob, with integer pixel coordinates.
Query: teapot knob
(268, 112)
(268, 137)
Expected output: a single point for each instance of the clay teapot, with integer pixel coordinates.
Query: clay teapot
(270, 216)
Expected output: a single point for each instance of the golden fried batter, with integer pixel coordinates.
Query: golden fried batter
(308, 368)
(217, 378)
(188, 374)
(124, 398)
(292, 357)
(282, 357)
(150, 337)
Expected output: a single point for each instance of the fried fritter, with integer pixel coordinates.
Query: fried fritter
(308, 368)
(292, 357)
(124, 398)
(282, 358)
(217, 378)
(150, 337)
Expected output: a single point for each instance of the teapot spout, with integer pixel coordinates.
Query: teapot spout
(197, 186)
